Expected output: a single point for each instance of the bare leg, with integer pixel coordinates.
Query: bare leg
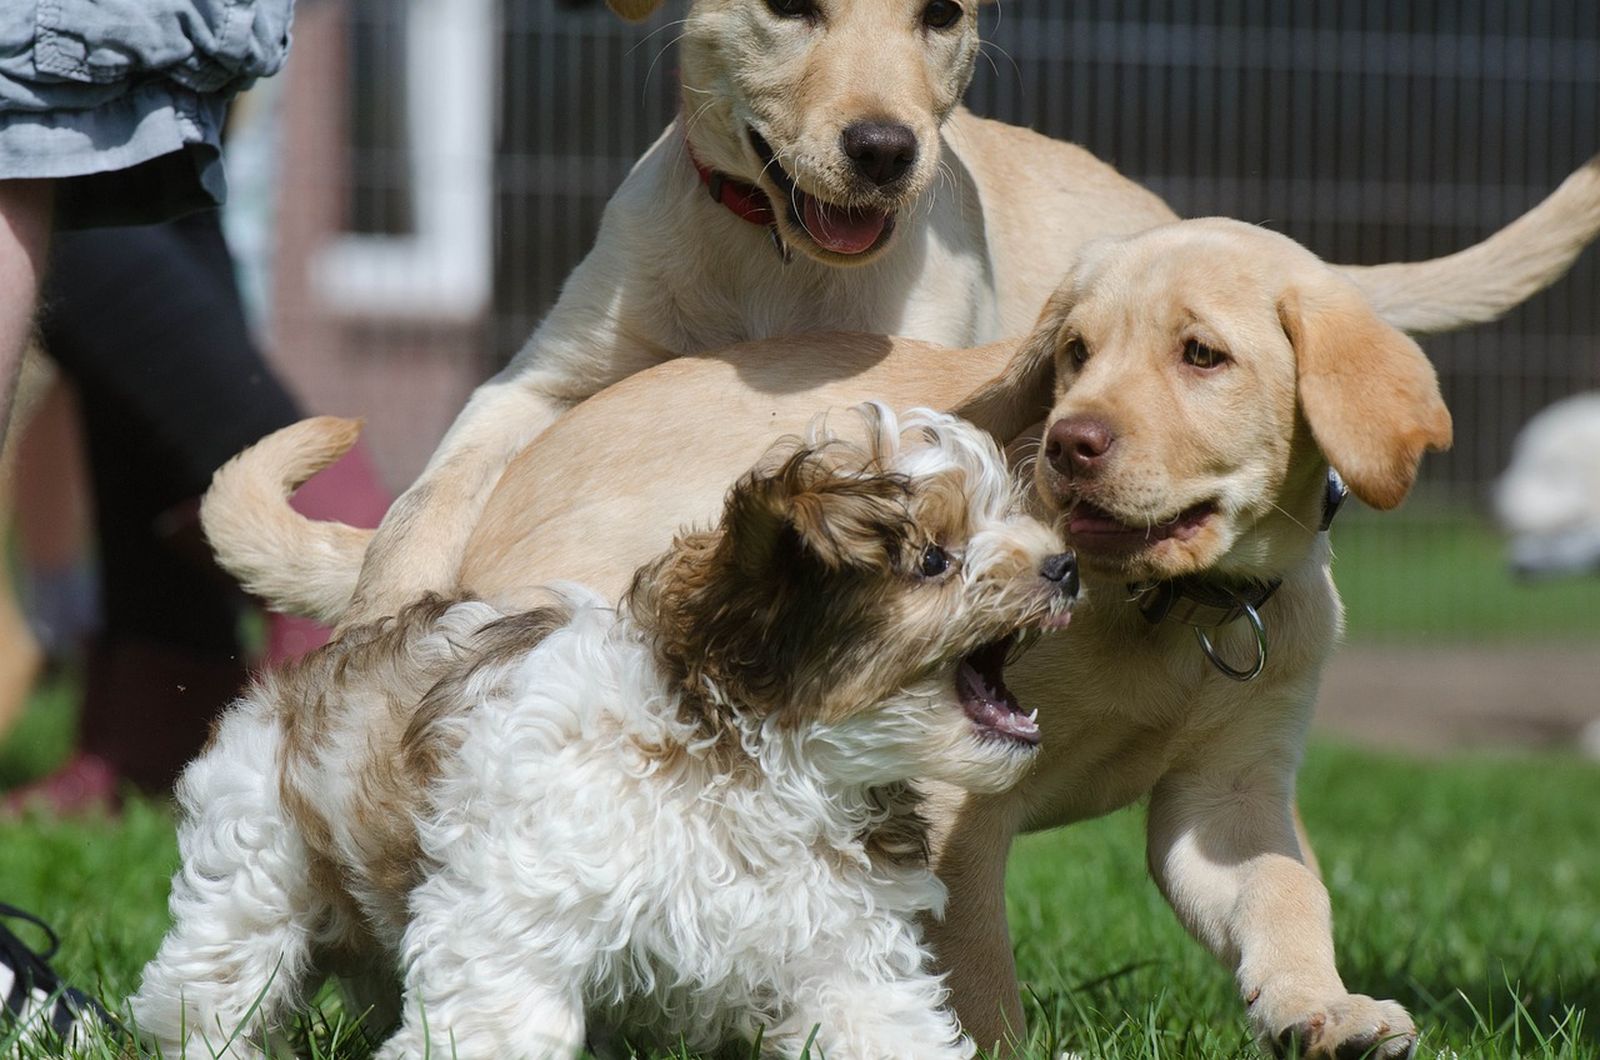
(24, 238)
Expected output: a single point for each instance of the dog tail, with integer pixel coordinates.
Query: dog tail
(296, 565)
(1489, 278)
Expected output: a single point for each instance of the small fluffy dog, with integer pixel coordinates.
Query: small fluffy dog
(685, 817)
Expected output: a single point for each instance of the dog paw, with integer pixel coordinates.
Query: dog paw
(1354, 1027)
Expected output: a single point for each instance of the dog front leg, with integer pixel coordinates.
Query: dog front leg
(1223, 849)
(971, 943)
(847, 1011)
(466, 1001)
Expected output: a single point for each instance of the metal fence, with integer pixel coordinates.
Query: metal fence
(1370, 130)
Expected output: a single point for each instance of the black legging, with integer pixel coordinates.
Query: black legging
(148, 324)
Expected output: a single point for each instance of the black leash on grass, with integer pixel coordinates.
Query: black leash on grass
(32, 972)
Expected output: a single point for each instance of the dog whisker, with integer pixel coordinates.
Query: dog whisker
(642, 41)
(688, 126)
(1292, 519)
(983, 49)
(651, 69)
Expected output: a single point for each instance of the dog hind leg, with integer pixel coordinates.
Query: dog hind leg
(239, 954)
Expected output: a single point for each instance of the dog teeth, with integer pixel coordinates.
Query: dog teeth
(1033, 715)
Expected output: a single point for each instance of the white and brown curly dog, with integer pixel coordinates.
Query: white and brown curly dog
(683, 817)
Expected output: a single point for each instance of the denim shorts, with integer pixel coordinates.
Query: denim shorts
(123, 101)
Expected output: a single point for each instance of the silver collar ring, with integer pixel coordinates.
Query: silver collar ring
(1242, 676)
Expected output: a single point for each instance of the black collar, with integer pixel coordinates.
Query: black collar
(1197, 600)
(1209, 603)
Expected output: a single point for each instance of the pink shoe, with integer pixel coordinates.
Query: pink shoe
(86, 786)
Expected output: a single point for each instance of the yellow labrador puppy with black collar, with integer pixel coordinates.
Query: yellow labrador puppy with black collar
(1180, 403)
(821, 176)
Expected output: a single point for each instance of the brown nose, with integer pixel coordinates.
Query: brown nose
(881, 151)
(1077, 445)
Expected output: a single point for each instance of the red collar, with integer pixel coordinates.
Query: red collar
(744, 200)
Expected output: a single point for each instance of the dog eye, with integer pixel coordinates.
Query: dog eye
(934, 562)
(1076, 352)
(1203, 356)
(792, 8)
(941, 14)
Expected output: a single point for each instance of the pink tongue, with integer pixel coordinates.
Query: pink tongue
(843, 231)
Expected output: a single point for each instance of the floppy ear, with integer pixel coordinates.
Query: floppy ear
(808, 508)
(1022, 394)
(1367, 391)
(634, 10)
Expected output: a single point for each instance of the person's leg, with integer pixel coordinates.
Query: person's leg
(149, 319)
(25, 207)
(205, 393)
(147, 323)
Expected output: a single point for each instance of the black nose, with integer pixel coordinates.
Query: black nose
(1062, 568)
(881, 151)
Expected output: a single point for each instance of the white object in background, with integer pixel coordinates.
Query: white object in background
(1548, 500)
(1589, 740)
(443, 270)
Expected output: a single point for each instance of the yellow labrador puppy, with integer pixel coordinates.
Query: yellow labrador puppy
(822, 176)
(1195, 383)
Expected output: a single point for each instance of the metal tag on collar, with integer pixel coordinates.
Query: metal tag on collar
(1333, 498)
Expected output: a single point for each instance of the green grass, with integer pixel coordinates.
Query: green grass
(1468, 889)
(1441, 572)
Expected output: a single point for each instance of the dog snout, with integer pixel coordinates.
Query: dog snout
(880, 151)
(1062, 571)
(1077, 446)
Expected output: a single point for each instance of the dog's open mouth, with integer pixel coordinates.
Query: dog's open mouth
(840, 229)
(1094, 529)
(981, 687)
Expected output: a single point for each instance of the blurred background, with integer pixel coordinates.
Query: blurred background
(410, 194)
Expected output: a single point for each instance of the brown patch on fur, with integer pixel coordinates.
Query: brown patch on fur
(406, 741)
(901, 838)
(426, 741)
(323, 871)
(765, 612)
(1369, 394)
